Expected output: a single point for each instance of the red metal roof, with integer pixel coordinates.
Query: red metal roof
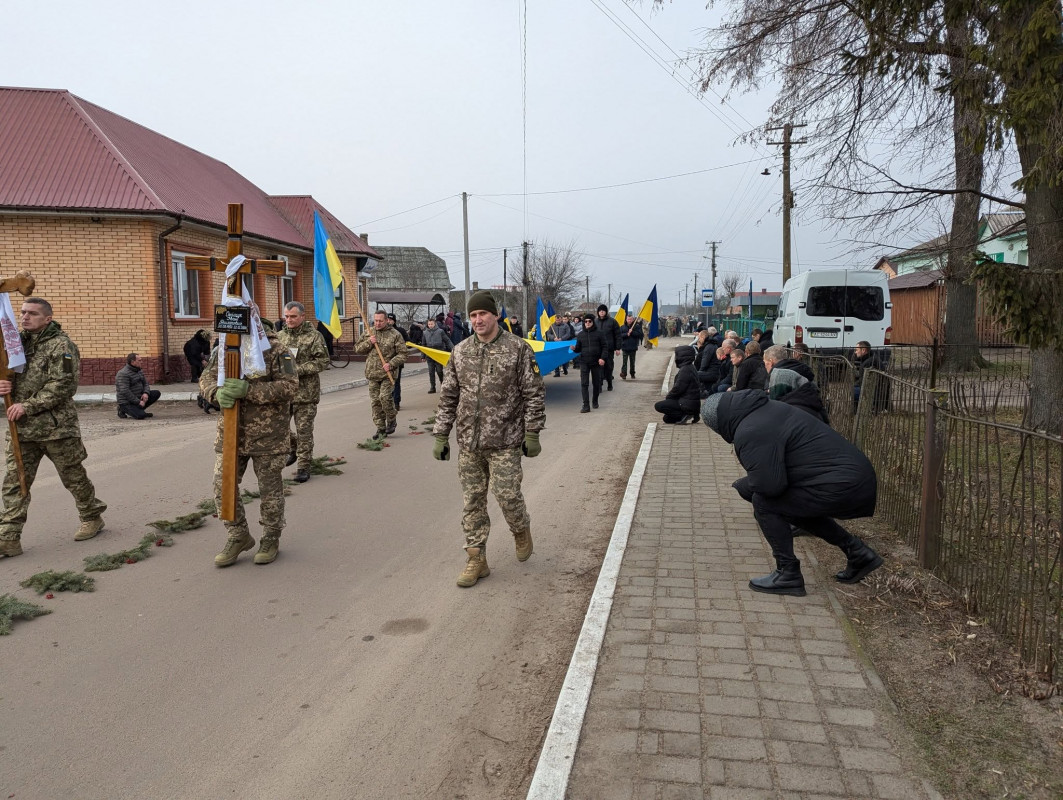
(299, 210)
(59, 152)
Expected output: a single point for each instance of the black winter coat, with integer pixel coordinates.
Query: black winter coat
(807, 398)
(591, 345)
(710, 374)
(786, 451)
(197, 349)
(687, 389)
(610, 329)
(751, 373)
(630, 338)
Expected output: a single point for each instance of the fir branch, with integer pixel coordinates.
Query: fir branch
(108, 561)
(184, 523)
(12, 609)
(324, 465)
(376, 445)
(52, 581)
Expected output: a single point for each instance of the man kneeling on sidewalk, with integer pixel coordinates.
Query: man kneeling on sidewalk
(799, 472)
(131, 390)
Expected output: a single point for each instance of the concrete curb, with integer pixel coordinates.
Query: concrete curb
(550, 780)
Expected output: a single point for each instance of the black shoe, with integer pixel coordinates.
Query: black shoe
(147, 415)
(397, 407)
(302, 476)
(787, 580)
(566, 372)
(610, 386)
(585, 410)
(632, 376)
(390, 427)
(557, 374)
(380, 434)
(594, 404)
(291, 459)
(861, 563)
(430, 391)
(122, 414)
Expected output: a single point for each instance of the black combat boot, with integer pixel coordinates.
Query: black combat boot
(786, 579)
(862, 561)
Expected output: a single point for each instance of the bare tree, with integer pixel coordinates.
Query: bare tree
(730, 282)
(556, 274)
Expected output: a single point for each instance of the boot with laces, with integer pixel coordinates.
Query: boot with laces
(238, 543)
(88, 529)
(475, 568)
(10, 548)
(523, 540)
(268, 548)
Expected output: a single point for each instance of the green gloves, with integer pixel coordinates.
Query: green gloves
(531, 446)
(232, 390)
(441, 452)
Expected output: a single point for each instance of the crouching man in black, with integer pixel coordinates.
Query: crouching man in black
(800, 472)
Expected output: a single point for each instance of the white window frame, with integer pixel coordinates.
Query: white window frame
(341, 298)
(185, 282)
(286, 283)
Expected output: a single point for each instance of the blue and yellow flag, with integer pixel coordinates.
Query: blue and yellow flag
(504, 320)
(328, 275)
(650, 316)
(545, 319)
(621, 313)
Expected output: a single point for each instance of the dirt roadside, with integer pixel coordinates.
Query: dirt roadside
(983, 725)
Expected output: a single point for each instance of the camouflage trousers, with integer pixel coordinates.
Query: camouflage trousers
(271, 493)
(383, 403)
(303, 438)
(67, 455)
(497, 470)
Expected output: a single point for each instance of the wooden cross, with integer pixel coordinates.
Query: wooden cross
(23, 283)
(230, 485)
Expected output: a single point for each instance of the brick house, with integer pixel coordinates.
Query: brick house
(103, 212)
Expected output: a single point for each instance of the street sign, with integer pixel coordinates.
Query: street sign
(706, 298)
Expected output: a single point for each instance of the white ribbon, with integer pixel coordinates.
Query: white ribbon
(16, 355)
(252, 360)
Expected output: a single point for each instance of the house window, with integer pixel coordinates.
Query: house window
(341, 299)
(287, 284)
(185, 288)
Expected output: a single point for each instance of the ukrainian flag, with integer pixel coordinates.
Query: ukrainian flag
(621, 313)
(649, 315)
(545, 318)
(328, 275)
(504, 316)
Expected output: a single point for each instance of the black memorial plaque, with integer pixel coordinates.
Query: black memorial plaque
(232, 319)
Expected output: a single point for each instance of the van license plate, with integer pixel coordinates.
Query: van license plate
(823, 334)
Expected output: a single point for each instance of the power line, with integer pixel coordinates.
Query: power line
(407, 211)
(413, 224)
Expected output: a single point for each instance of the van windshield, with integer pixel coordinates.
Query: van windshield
(862, 302)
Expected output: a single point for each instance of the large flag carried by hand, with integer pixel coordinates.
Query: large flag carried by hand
(328, 275)
(650, 316)
(621, 313)
(545, 319)
(503, 320)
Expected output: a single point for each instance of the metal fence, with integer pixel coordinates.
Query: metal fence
(979, 497)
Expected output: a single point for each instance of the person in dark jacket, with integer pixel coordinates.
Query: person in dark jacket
(714, 362)
(863, 360)
(396, 391)
(630, 336)
(436, 338)
(132, 392)
(197, 353)
(751, 373)
(793, 382)
(560, 331)
(591, 346)
(680, 406)
(610, 330)
(798, 472)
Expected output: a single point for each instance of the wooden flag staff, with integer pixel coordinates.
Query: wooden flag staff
(365, 320)
(233, 368)
(23, 283)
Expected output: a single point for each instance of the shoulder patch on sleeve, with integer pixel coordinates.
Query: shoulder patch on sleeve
(287, 363)
(68, 364)
(535, 366)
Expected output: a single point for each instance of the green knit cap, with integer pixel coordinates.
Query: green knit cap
(482, 301)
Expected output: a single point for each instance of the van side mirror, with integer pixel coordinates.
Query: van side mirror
(801, 304)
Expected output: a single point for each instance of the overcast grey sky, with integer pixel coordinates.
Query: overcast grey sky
(377, 108)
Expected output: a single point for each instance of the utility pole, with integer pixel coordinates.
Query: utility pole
(609, 297)
(505, 281)
(713, 243)
(787, 195)
(697, 293)
(587, 292)
(526, 281)
(465, 226)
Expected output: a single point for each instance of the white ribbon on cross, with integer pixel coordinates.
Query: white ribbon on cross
(253, 347)
(16, 354)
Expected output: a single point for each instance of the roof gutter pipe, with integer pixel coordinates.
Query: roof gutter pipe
(164, 295)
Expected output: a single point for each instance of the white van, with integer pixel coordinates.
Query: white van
(834, 309)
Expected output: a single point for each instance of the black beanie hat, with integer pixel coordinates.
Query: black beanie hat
(483, 301)
(604, 307)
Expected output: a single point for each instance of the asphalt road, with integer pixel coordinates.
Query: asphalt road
(352, 667)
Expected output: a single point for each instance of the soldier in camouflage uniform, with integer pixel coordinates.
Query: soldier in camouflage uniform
(43, 410)
(262, 439)
(311, 357)
(393, 348)
(493, 392)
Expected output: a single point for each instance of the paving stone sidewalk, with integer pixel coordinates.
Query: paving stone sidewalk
(706, 689)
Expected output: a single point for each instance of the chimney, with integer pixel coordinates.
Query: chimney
(364, 237)
(763, 291)
(475, 286)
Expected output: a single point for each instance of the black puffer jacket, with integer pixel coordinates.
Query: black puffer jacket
(687, 389)
(751, 373)
(591, 346)
(786, 451)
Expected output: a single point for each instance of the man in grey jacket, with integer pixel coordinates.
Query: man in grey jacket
(132, 391)
(436, 338)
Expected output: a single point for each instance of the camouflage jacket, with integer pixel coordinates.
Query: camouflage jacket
(392, 346)
(46, 387)
(265, 412)
(493, 392)
(311, 357)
